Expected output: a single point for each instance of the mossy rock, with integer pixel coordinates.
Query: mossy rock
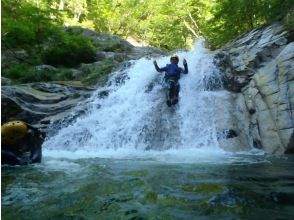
(93, 72)
(113, 46)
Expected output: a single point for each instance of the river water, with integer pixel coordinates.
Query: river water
(131, 157)
(235, 187)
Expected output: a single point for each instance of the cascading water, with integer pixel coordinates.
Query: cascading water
(132, 157)
(134, 117)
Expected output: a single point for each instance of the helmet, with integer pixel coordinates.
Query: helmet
(13, 131)
(174, 56)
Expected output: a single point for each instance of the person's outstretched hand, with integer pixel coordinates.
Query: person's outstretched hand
(154, 62)
(184, 61)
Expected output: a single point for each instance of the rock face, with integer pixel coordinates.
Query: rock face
(259, 67)
(41, 104)
(115, 48)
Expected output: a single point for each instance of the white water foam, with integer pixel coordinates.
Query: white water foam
(134, 121)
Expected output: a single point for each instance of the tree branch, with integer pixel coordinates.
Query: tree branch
(190, 29)
(194, 22)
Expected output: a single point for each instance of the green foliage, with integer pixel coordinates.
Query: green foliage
(18, 34)
(24, 24)
(23, 73)
(289, 23)
(112, 46)
(69, 49)
(64, 74)
(167, 24)
(234, 17)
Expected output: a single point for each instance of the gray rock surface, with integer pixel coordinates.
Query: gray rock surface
(116, 48)
(10, 56)
(41, 104)
(44, 67)
(5, 81)
(260, 67)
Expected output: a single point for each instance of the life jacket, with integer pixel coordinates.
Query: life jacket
(172, 70)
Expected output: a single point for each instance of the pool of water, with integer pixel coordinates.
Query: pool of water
(239, 187)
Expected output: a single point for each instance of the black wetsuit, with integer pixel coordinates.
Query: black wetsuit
(25, 151)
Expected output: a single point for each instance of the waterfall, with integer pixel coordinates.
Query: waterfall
(133, 115)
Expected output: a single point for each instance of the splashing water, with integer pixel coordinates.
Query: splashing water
(135, 120)
(139, 159)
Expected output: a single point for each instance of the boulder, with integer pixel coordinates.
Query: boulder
(44, 67)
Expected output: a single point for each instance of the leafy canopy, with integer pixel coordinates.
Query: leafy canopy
(168, 24)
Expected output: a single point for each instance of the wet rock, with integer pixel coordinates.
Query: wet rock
(226, 134)
(106, 42)
(41, 104)
(232, 122)
(44, 67)
(139, 52)
(76, 74)
(103, 94)
(5, 81)
(118, 57)
(259, 66)
(93, 72)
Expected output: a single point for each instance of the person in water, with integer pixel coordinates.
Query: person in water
(21, 143)
(172, 76)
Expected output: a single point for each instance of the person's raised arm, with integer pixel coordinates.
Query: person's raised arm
(157, 67)
(185, 66)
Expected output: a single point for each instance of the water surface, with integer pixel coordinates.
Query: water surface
(235, 187)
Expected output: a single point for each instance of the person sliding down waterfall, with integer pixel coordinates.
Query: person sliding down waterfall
(172, 76)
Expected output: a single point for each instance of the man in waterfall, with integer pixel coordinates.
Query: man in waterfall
(172, 76)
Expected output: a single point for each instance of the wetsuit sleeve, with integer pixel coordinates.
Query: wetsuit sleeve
(163, 69)
(35, 141)
(186, 68)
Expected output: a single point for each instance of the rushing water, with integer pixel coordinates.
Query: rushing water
(132, 157)
(134, 116)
